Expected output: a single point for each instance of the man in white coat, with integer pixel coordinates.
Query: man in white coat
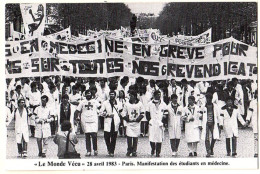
(174, 123)
(43, 117)
(21, 115)
(87, 110)
(156, 114)
(210, 124)
(230, 114)
(111, 111)
(252, 117)
(133, 112)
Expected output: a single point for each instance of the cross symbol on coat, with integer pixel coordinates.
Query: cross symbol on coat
(134, 113)
(89, 106)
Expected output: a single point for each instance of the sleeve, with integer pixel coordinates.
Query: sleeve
(37, 119)
(240, 118)
(250, 112)
(79, 107)
(9, 116)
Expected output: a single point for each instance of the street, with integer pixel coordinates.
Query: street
(245, 147)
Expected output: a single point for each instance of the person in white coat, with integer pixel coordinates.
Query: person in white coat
(252, 117)
(230, 114)
(133, 113)
(21, 116)
(43, 117)
(86, 112)
(191, 116)
(210, 124)
(156, 114)
(111, 110)
(174, 123)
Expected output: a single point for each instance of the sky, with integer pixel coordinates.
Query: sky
(145, 7)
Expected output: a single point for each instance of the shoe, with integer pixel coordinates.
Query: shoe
(234, 154)
(208, 155)
(190, 154)
(142, 135)
(134, 154)
(19, 155)
(195, 154)
(255, 155)
(173, 153)
(157, 155)
(212, 153)
(111, 155)
(228, 154)
(39, 154)
(152, 153)
(128, 153)
(88, 154)
(95, 153)
(43, 155)
(24, 154)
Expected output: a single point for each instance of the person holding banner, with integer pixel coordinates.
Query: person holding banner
(86, 112)
(43, 117)
(133, 112)
(111, 111)
(174, 123)
(191, 116)
(230, 114)
(156, 114)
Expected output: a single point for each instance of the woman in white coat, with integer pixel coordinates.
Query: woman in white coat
(252, 115)
(174, 123)
(21, 115)
(230, 114)
(192, 125)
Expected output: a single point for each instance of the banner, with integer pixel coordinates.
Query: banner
(107, 56)
(202, 39)
(33, 18)
(63, 35)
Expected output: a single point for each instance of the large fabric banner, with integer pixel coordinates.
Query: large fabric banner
(202, 39)
(63, 35)
(33, 18)
(107, 56)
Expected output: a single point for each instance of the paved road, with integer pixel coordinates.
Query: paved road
(244, 149)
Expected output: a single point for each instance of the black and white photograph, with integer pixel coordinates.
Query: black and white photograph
(133, 85)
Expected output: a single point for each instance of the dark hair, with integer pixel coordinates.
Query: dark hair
(18, 87)
(156, 92)
(66, 126)
(192, 97)
(33, 84)
(65, 96)
(21, 100)
(234, 79)
(173, 96)
(184, 81)
(45, 97)
(230, 84)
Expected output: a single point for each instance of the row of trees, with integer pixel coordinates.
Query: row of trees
(225, 18)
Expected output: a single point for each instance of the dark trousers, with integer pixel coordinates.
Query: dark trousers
(122, 130)
(234, 144)
(101, 121)
(88, 137)
(22, 146)
(53, 127)
(132, 144)
(144, 127)
(32, 128)
(110, 139)
(156, 146)
(209, 146)
(175, 144)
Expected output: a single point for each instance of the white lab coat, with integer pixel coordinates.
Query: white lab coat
(156, 129)
(174, 121)
(230, 122)
(216, 121)
(107, 110)
(252, 114)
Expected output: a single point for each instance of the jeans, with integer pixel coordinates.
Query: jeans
(110, 139)
(88, 137)
(209, 146)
